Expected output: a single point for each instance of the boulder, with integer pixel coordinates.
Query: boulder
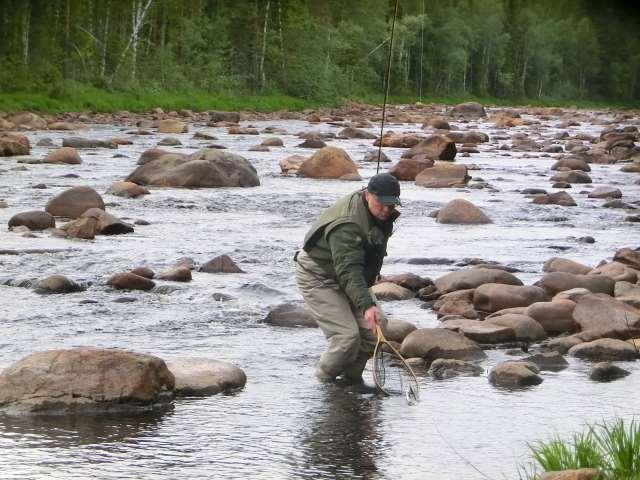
(33, 220)
(391, 291)
(222, 116)
(28, 120)
(468, 137)
(629, 257)
(407, 280)
(550, 361)
(408, 168)
(155, 153)
(558, 198)
(526, 328)
(272, 142)
(237, 130)
(85, 228)
(130, 281)
(577, 474)
(443, 368)
(204, 168)
(290, 315)
(171, 125)
(328, 162)
(66, 155)
(106, 223)
(555, 317)
(435, 147)
(291, 164)
(372, 156)
(397, 330)
(433, 343)
(607, 372)
(515, 375)
(57, 284)
(13, 144)
(468, 110)
(462, 212)
(351, 132)
(438, 123)
(143, 271)
(66, 126)
(176, 274)
(458, 303)
(556, 282)
(556, 264)
(605, 192)
(398, 140)
(572, 176)
(85, 380)
(80, 142)
(598, 311)
(619, 272)
(491, 297)
(220, 264)
(169, 142)
(443, 175)
(472, 278)
(481, 332)
(571, 163)
(199, 377)
(312, 143)
(604, 349)
(74, 202)
(127, 190)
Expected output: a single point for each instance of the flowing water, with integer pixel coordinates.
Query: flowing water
(284, 424)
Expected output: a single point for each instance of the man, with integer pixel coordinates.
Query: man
(340, 259)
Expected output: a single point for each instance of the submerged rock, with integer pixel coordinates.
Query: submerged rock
(201, 377)
(290, 315)
(515, 375)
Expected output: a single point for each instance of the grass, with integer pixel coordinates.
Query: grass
(614, 449)
(75, 97)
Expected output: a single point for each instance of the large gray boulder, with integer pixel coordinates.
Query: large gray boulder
(462, 212)
(515, 375)
(204, 376)
(481, 332)
(443, 368)
(491, 297)
(602, 312)
(204, 168)
(57, 284)
(107, 224)
(433, 343)
(556, 264)
(290, 315)
(436, 147)
(526, 328)
(604, 349)
(329, 162)
(72, 203)
(474, 277)
(555, 317)
(443, 175)
(85, 380)
(33, 220)
(14, 144)
(470, 110)
(556, 282)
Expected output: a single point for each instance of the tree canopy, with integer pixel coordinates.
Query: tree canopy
(324, 49)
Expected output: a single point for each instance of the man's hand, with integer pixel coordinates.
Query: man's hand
(372, 316)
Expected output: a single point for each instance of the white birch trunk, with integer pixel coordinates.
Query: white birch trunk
(138, 15)
(25, 35)
(263, 78)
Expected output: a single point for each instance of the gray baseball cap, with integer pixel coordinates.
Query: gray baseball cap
(386, 187)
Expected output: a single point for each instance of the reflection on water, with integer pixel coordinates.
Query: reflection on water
(70, 431)
(342, 438)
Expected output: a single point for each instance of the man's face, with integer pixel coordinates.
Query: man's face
(378, 209)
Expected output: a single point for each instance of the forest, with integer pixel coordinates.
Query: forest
(323, 50)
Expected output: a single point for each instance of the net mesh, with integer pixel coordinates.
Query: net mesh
(393, 376)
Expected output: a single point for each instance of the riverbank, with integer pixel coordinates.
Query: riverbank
(80, 98)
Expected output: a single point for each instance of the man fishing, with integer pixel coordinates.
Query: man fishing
(340, 259)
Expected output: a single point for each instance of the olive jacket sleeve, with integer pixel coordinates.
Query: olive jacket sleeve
(348, 253)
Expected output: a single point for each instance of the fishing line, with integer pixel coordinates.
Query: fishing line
(386, 84)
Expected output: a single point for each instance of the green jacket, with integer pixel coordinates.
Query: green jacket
(349, 244)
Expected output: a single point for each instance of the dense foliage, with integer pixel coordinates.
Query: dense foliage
(325, 49)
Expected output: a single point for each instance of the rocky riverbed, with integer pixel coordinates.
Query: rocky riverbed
(490, 197)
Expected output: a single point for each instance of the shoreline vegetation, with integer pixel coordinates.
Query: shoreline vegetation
(613, 449)
(83, 98)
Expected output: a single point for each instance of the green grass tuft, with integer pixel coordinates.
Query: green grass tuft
(614, 449)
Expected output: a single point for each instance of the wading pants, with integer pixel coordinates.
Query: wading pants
(350, 342)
